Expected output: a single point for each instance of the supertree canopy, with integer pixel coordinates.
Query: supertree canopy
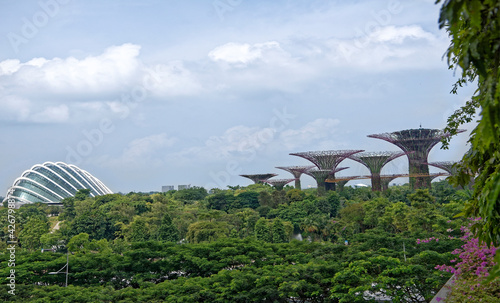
(259, 178)
(416, 143)
(278, 183)
(327, 160)
(432, 176)
(445, 165)
(296, 171)
(374, 161)
(320, 175)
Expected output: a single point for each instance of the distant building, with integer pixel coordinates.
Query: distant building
(181, 187)
(166, 188)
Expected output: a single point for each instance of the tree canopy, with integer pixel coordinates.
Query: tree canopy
(474, 29)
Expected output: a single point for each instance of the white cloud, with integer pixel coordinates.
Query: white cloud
(116, 78)
(141, 159)
(113, 69)
(244, 143)
(10, 66)
(170, 79)
(389, 48)
(314, 132)
(53, 114)
(14, 108)
(238, 142)
(240, 139)
(146, 147)
(243, 53)
(397, 35)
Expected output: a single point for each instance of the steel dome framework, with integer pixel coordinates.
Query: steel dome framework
(51, 182)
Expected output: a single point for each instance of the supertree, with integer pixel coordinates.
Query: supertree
(258, 178)
(296, 171)
(416, 143)
(320, 175)
(445, 165)
(374, 161)
(386, 179)
(327, 160)
(342, 181)
(432, 176)
(278, 183)
(449, 167)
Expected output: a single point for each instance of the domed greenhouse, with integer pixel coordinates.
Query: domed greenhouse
(51, 182)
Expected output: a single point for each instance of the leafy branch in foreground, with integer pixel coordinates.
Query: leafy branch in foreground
(475, 49)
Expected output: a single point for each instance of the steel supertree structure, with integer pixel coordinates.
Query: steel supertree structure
(445, 165)
(432, 176)
(342, 181)
(326, 160)
(278, 183)
(386, 179)
(416, 143)
(374, 161)
(296, 171)
(259, 178)
(320, 175)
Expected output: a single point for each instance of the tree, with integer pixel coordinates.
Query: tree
(247, 199)
(221, 200)
(334, 200)
(31, 233)
(475, 48)
(139, 230)
(79, 243)
(374, 209)
(167, 230)
(68, 212)
(395, 217)
(422, 214)
(82, 194)
(191, 194)
(295, 195)
(279, 197)
(94, 223)
(206, 231)
(353, 214)
(265, 199)
(262, 230)
(279, 232)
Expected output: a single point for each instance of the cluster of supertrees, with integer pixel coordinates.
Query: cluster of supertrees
(414, 143)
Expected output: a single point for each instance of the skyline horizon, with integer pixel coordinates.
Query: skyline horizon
(153, 93)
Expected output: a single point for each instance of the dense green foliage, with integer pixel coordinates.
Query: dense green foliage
(236, 245)
(474, 29)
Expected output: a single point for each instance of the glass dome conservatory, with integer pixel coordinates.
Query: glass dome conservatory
(51, 182)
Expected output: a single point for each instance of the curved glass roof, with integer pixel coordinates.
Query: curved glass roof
(51, 182)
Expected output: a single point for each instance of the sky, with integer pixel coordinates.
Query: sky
(143, 94)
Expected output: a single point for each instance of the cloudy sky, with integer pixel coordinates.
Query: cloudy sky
(149, 93)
